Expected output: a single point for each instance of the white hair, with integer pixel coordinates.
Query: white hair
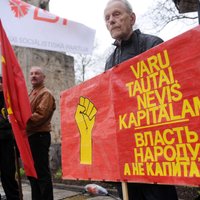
(126, 3)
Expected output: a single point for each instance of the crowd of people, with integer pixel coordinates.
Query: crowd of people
(119, 19)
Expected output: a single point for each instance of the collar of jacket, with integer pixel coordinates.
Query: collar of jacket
(130, 40)
(36, 89)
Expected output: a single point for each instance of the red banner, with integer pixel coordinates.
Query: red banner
(139, 121)
(17, 101)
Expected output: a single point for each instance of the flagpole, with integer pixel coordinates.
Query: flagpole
(18, 174)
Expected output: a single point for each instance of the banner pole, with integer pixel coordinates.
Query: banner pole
(125, 191)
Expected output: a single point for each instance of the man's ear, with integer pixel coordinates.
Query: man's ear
(133, 18)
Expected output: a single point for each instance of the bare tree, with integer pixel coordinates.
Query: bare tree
(164, 12)
(81, 63)
(87, 65)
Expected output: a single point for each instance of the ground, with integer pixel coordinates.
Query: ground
(184, 192)
(80, 197)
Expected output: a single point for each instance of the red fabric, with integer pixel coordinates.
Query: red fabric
(17, 101)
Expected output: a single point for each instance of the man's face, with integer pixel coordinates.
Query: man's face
(119, 21)
(36, 76)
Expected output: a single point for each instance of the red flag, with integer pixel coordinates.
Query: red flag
(17, 101)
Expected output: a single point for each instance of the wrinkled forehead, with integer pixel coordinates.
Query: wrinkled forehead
(36, 70)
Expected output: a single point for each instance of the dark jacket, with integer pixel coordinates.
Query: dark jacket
(5, 126)
(137, 44)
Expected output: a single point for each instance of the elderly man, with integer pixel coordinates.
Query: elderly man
(120, 18)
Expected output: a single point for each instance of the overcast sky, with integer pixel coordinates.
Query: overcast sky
(90, 13)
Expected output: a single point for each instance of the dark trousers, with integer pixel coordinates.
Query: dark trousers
(42, 188)
(8, 169)
(139, 191)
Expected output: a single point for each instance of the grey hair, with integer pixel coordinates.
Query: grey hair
(126, 3)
